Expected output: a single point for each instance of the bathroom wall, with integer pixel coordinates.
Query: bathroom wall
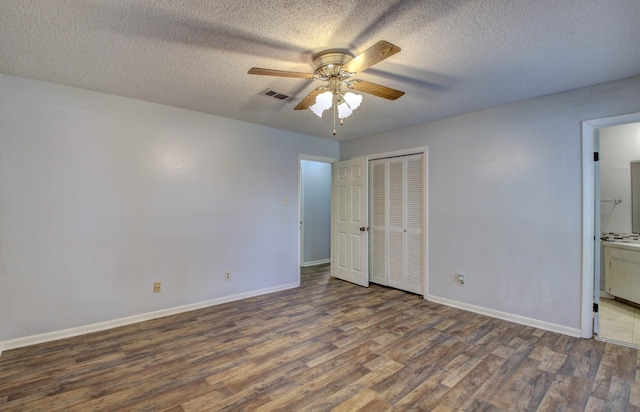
(619, 145)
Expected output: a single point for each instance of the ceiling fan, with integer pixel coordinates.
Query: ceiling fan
(337, 69)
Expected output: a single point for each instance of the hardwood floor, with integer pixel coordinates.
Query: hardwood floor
(327, 345)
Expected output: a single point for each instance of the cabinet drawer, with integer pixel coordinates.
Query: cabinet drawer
(624, 254)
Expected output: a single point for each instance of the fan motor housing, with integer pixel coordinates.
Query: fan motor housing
(329, 64)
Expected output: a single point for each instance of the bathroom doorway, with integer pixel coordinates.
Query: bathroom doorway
(619, 307)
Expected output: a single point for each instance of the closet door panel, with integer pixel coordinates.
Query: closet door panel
(414, 263)
(414, 193)
(396, 195)
(396, 260)
(414, 222)
(378, 256)
(396, 223)
(377, 230)
(396, 219)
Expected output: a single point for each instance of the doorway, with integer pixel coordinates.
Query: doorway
(619, 303)
(591, 214)
(314, 210)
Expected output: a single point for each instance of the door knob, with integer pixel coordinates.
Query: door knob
(362, 229)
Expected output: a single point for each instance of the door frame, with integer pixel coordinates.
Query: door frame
(590, 134)
(312, 158)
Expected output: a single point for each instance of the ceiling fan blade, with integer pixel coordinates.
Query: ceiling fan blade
(374, 54)
(310, 99)
(280, 73)
(375, 89)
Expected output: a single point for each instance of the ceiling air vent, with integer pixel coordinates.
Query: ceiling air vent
(276, 95)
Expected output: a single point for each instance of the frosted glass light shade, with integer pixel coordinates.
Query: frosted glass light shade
(323, 102)
(353, 100)
(344, 111)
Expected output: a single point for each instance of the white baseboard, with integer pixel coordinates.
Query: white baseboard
(316, 262)
(96, 327)
(605, 295)
(551, 327)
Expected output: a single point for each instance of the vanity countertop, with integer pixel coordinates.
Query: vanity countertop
(623, 240)
(622, 245)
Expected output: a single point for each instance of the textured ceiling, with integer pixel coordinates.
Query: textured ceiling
(457, 55)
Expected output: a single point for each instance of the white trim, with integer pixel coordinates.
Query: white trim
(316, 262)
(552, 327)
(588, 213)
(301, 226)
(316, 158)
(96, 327)
(588, 230)
(404, 152)
(425, 222)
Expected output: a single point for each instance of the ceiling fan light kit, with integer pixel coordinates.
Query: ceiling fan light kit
(337, 68)
(347, 103)
(323, 102)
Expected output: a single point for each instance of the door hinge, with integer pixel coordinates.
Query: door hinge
(596, 156)
(595, 308)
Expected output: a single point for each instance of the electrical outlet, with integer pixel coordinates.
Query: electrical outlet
(461, 279)
(156, 287)
(227, 276)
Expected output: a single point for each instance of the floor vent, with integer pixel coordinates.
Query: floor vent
(277, 95)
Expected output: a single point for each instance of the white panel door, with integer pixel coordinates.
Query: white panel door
(349, 238)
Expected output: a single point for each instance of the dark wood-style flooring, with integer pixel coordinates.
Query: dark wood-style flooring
(328, 345)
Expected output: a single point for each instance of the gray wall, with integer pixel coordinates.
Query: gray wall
(505, 200)
(316, 216)
(100, 196)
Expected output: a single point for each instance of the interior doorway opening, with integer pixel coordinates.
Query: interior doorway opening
(619, 252)
(314, 210)
(591, 213)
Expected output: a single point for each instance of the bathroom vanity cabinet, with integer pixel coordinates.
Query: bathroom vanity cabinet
(622, 270)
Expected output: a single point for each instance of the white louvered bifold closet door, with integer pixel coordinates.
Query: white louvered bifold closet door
(395, 223)
(396, 219)
(413, 224)
(377, 226)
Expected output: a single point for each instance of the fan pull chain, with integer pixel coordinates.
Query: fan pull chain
(334, 114)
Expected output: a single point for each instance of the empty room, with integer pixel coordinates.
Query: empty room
(165, 243)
